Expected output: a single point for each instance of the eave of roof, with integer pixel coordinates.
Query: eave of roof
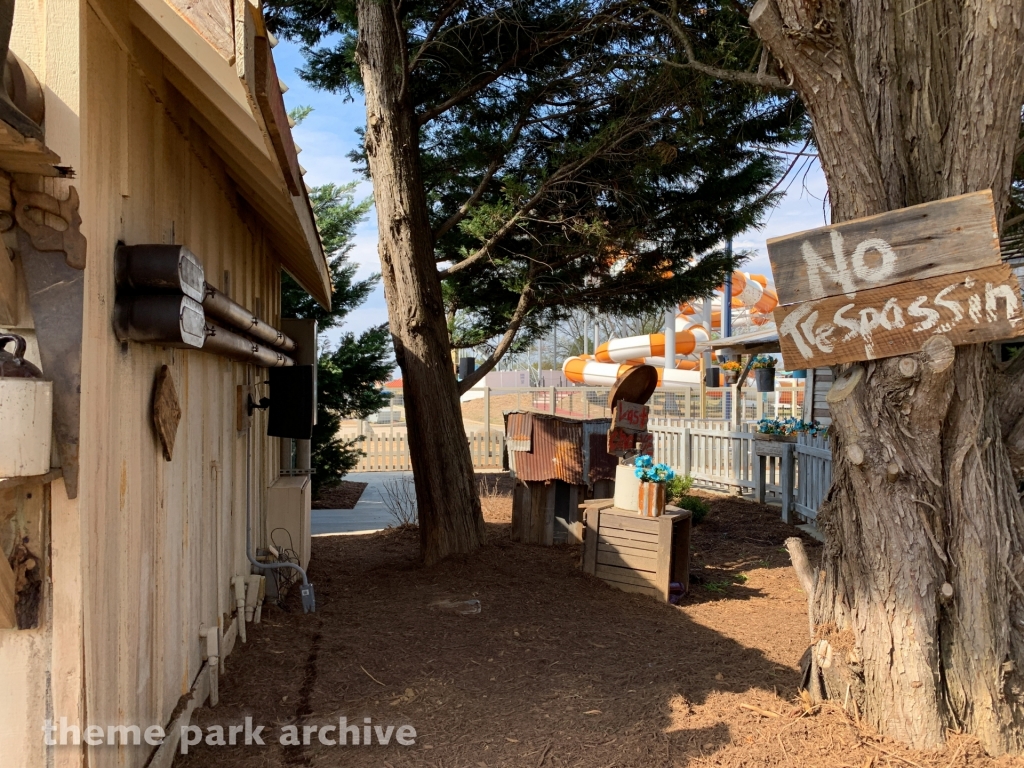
(220, 61)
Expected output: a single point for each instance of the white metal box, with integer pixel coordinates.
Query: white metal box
(288, 504)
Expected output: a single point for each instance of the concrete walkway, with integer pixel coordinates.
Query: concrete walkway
(370, 512)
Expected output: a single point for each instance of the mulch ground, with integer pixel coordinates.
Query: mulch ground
(344, 495)
(558, 669)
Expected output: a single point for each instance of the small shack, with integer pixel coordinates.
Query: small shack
(557, 463)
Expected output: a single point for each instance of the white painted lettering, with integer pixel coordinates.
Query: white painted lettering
(993, 293)
(952, 306)
(873, 274)
(790, 327)
(816, 265)
(916, 309)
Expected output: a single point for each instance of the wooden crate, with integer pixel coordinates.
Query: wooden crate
(637, 554)
(547, 512)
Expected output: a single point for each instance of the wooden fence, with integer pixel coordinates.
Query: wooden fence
(390, 453)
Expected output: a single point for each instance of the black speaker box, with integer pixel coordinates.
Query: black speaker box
(292, 402)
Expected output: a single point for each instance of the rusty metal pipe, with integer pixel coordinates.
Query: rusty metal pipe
(226, 343)
(217, 305)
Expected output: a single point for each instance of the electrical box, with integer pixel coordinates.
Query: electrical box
(292, 402)
(289, 501)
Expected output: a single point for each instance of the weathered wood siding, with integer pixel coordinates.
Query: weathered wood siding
(162, 539)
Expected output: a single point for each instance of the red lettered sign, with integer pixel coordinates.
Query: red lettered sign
(630, 416)
(620, 442)
(645, 444)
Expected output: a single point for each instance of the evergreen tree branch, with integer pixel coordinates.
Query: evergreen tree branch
(760, 78)
(520, 56)
(564, 173)
(515, 323)
(474, 198)
(460, 214)
(442, 17)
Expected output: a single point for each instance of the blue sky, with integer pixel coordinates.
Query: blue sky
(329, 134)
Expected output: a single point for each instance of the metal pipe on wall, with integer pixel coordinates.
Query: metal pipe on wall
(226, 343)
(217, 305)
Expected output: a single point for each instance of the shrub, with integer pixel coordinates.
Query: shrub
(697, 506)
(677, 487)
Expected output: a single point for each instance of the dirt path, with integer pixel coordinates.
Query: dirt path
(557, 669)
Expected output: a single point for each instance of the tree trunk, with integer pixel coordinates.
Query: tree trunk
(450, 519)
(917, 606)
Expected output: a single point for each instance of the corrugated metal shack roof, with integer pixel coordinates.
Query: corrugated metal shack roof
(557, 448)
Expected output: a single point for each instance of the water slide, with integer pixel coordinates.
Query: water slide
(752, 305)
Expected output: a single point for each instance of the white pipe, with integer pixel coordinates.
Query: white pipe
(252, 595)
(238, 582)
(211, 656)
(259, 602)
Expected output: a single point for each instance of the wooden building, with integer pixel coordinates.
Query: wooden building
(168, 121)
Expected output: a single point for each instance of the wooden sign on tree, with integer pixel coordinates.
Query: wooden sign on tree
(883, 285)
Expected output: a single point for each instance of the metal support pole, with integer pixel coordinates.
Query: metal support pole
(670, 339)
(727, 298)
(487, 416)
(303, 458)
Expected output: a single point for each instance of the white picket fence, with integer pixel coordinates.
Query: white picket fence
(718, 454)
(814, 467)
(390, 453)
(720, 457)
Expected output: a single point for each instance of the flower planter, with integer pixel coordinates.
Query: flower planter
(651, 499)
(773, 438)
(765, 378)
(799, 374)
(728, 378)
(627, 486)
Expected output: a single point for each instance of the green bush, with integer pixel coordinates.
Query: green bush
(676, 488)
(694, 504)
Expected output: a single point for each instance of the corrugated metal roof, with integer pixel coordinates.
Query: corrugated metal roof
(560, 448)
(518, 431)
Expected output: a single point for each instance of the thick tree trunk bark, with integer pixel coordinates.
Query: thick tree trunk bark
(450, 519)
(918, 607)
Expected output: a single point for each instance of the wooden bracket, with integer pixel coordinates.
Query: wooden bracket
(70, 240)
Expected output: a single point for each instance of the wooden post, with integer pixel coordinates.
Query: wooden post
(687, 452)
(663, 567)
(787, 481)
(591, 517)
(737, 446)
(760, 470)
(552, 395)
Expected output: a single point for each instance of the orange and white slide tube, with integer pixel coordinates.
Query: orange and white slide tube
(615, 356)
